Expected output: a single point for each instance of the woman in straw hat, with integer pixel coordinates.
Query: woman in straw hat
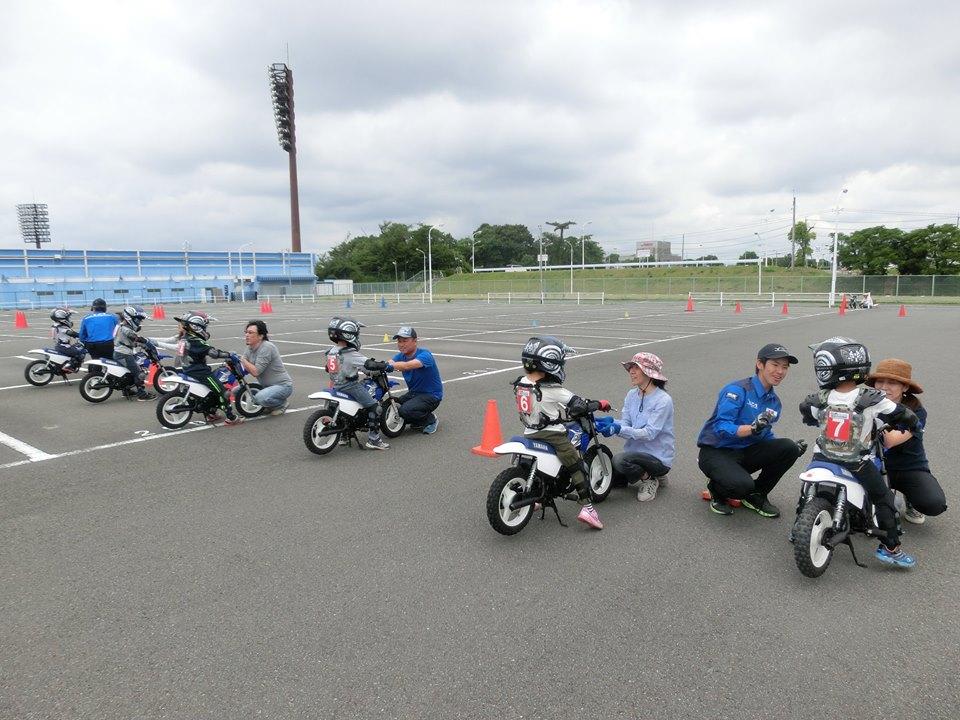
(905, 457)
(646, 425)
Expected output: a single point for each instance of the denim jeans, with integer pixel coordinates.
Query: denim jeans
(273, 396)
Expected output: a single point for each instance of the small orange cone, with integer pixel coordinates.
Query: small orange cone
(843, 305)
(784, 310)
(269, 306)
(158, 313)
(705, 494)
(903, 311)
(20, 320)
(152, 373)
(491, 432)
(689, 303)
(263, 307)
(738, 308)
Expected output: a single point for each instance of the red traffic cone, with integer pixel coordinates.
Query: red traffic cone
(269, 306)
(163, 313)
(20, 320)
(491, 432)
(903, 311)
(689, 303)
(263, 307)
(843, 305)
(784, 310)
(738, 308)
(705, 494)
(151, 373)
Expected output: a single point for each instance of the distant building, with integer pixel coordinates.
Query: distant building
(656, 250)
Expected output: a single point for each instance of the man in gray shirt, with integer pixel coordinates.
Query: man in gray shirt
(262, 360)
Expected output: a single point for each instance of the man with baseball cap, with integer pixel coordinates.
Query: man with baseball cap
(737, 440)
(424, 387)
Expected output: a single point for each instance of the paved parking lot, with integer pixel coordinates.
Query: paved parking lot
(228, 572)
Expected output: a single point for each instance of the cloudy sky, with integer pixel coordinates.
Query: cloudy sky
(149, 124)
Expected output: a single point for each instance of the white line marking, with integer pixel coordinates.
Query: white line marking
(21, 447)
(14, 387)
(312, 367)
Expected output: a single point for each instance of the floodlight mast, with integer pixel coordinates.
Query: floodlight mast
(281, 91)
(34, 223)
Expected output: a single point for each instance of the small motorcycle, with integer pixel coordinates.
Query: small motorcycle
(536, 475)
(176, 408)
(832, 507)
(342, 417)
(54, 364)
(104, 376)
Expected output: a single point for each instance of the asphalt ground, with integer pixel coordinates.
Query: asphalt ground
(227, 572)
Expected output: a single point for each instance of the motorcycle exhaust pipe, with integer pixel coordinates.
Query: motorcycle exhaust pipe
(521, 501)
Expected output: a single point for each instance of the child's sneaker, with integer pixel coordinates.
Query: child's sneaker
(589, 516)
(895, 557)
(233, 420)
(375, 442)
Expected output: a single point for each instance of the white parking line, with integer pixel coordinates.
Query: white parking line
(30, 451)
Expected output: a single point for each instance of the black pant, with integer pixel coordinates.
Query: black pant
(130, 361)
(208, 378)
(868, 475)
(729, 470)
(71, 351)
(921, 490)
(629, 467)
(103, 349)
(417, 408)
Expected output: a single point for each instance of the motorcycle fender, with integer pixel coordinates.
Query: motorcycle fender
(109, 368)
(347, 407)
(821, 476)
(546, 464)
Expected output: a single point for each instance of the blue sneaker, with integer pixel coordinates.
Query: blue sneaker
(895, 557)
(431, 428)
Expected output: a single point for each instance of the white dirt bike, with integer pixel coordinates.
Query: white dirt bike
(537, 476)
(54, 364)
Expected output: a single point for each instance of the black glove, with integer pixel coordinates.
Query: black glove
(801, 447)
(374, 365)
(809, 402)
(72, 333)
(761, 423)
(903, 418)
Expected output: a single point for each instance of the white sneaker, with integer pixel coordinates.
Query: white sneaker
(648, 489)
(912, 515)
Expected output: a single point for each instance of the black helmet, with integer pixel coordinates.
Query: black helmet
(195, 323)
(546, 354)
(133, 315)
(346, 329)
(839, 359)
(99, 305)
(61, 316)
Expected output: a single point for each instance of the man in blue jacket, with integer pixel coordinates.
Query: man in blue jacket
(97, 330)
(420, 372)
(737, 440)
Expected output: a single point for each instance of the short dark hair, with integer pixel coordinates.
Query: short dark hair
(261, 327)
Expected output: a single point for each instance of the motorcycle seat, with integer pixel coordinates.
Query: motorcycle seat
(537, 445)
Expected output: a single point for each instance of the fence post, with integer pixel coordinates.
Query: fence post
(933, 285)
(896, 293)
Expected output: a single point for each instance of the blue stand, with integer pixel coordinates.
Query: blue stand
(348, 304)
(383, 302)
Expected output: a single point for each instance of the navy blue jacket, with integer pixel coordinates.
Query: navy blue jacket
(738, 404)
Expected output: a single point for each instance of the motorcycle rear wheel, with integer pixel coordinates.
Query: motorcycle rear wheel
(811, 555)
(505, 486)
(38, 373)
(599, 461)
(312, 429)
(95, 388)
(173, 410)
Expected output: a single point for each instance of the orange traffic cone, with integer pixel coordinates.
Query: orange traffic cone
(705, 494)
(738, 308)
(491, 432)
(689, 303)
(263, 307)
(784, 310)
(151, 373)
(843, 305)
(20, 320)
(269, 306)
(903, 311)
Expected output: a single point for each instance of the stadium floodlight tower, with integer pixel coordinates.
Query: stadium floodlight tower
(34, 223)
(281, 90)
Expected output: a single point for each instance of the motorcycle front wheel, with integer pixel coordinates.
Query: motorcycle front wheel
(599, 461)
(391, 424)
(174, 410)
(320, 435)
(505, 487)
(95, 388)
(38, 373)
(811, 555)
(245, 403)
(165, 380)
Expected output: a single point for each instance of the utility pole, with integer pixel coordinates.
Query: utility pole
(683, 242)
(793, 229)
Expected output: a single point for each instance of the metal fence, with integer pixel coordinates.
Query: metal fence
(479, 285)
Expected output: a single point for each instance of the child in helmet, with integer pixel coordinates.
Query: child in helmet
(544, 405)
(65, 337)
(848, 413)
(195, 350)
(344, 363)
(127, 340)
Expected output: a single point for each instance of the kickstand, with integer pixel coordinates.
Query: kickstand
(556, 512)
(853, 552)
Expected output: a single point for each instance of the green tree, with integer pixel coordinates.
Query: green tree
(869, 250)
(749, 255)
(502, 245)
(803, 237)
(933, 250)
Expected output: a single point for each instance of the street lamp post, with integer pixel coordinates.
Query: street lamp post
(243, 294)
(571, 244)
(836, 237)
(430, 259)
(396, 279)
(473, 251)
(424, 276)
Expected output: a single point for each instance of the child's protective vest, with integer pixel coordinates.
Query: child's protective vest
(841, 428)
